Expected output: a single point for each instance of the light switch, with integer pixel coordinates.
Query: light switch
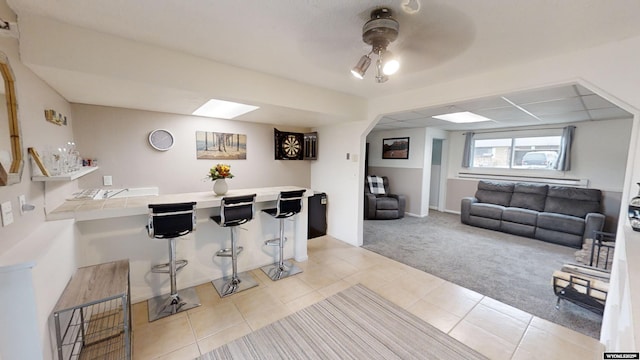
(7, 213)
(107, 180)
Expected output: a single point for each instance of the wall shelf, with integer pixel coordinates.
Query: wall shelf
(66, 177)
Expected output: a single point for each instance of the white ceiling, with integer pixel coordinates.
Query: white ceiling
(317, 41)
(554, 105)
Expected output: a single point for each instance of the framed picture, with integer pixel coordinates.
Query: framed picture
(221, 146)
(395, 148)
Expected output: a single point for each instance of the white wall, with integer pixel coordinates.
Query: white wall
(416, 148)
(33, 97)
(340, 178)
(600, 162)
(410, 177)
(406, 176)
(118, 138)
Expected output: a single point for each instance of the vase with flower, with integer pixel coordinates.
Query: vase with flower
(219, 174)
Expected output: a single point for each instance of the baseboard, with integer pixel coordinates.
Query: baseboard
(412, 214)
(452, 212)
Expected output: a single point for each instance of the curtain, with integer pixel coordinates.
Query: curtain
(466, 155)
(564, 158)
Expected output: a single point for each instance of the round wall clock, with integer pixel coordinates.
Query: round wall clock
(161, 139)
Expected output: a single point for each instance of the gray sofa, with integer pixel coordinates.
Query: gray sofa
(558, 214)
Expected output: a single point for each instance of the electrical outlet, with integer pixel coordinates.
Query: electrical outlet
(107, 180)
(7, 213)
(22, 200)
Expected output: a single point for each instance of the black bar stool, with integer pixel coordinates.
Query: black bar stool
(288, 204)
(234, 211)
(170, 221)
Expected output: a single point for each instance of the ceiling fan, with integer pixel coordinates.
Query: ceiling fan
(381, 30)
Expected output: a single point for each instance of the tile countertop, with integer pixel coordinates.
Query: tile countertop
(82, 210)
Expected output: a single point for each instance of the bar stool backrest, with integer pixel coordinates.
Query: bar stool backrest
(237, 210)
(289, 203)
(171, 220)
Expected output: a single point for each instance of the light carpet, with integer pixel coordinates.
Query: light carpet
(353, 324)
(511, 269)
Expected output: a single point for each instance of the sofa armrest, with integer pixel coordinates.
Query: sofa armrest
(402, 203)
(592, 222)
(369, 206)
(465, 208)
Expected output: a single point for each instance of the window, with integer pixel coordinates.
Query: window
(533, 152)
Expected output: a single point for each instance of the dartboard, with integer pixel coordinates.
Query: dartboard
(291, 146)
(288, 145)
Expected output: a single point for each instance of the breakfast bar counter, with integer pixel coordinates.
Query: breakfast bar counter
(113, 229)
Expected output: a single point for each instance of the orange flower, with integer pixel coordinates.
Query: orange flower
(220, 171)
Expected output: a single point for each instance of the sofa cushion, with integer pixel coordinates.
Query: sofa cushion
(572, 201)
(494, 192)
(387, 214)
(490, 211)
(529, 196)
(386, 203)
(517, 229)
(520, 216)
(559, 237)
(483, 222)
(559, 222)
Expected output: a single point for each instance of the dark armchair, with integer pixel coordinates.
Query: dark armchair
(383, 206)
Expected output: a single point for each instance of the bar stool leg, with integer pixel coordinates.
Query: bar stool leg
(282, 269)
(165, 305)
(237, 282)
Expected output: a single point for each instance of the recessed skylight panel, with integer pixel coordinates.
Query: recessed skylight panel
(462, 117)
(223, 109)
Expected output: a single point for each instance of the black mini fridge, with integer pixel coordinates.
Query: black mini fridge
(317, 224)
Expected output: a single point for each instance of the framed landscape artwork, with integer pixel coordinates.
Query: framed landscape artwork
(221, 146)
(395, 148)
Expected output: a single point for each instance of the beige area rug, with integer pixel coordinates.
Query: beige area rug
(353, 324)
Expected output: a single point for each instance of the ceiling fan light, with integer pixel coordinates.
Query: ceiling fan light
(361, 67)
(390, 63)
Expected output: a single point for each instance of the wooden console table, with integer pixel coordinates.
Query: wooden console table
(92, 317)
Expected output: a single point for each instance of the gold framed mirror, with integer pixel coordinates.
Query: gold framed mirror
(11, 162)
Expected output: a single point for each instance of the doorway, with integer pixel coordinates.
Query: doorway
(436, 174)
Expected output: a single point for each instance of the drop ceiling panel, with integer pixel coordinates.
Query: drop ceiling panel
(406, 116)
(610, 113)
(439, 110)
(583, 90)
(503, 114)
(485, 103)
(554, 107)
(405, 124)
(426, 122)
(596, 102)
(386, 120)
(540, 95)
(566, 117)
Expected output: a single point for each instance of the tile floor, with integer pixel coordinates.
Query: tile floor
(492, 328)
